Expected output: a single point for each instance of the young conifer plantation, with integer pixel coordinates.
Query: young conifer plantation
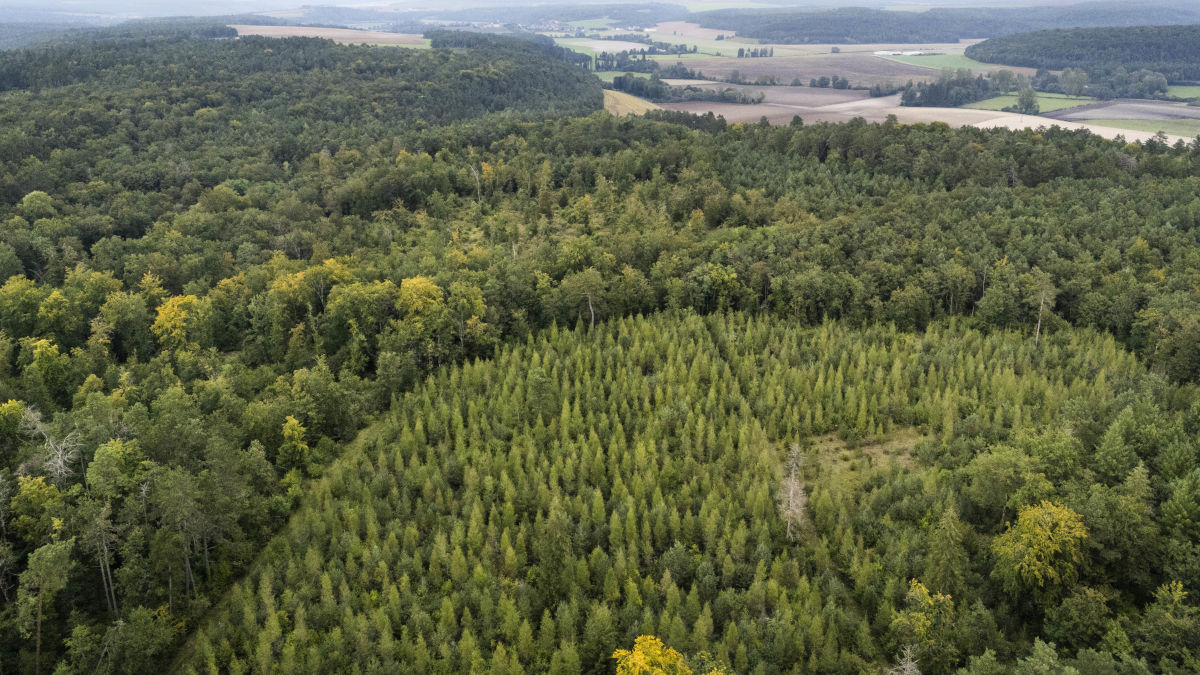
(320, 358)
(761, 497)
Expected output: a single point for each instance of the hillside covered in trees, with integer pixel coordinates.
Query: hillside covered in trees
(674, 477)
(286, 380)
(1170, 50)
(940, 24)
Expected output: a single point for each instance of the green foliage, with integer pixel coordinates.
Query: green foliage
(559, 536)
(282, 354)
(1041, 551)
(940, 24)
(1165, 49)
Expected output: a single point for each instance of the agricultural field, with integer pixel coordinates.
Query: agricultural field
(781, 104)
(1133, 109)
(1184, 91)
(587, 46)
(1189, 128)
(593, 24)
(957, 61)
(1046, 102)
(706, 40)
(863, 70)
(608, 75)
(340, 35)
(619, 103)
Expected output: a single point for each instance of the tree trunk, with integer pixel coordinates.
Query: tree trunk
(37, 663)
(100, 562)
(592, 310)
(207, 568)
(191, 580)
(1037, 333)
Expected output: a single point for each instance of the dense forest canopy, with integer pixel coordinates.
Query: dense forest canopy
(661, 477)
(1170, 50)
(942, 24)
(226, 264)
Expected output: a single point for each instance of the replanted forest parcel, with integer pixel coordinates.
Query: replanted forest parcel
(328, 358)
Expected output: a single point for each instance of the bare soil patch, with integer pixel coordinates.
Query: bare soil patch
(861, 69)
(809, 97)
(341, 35)
(1129, 109)
(781, 104)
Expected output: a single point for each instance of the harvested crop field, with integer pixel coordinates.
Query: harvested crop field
(781, 104)
(808, 97)
(1046, 102)
(706, 39)
(1188, 128)
(619, 103)
(610, 46)
(342, 35)
(1131, 109)
(861, 69)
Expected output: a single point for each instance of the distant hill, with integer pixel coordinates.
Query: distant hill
(859, 25)
(1170, 50)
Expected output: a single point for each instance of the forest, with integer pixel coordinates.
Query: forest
(688, 486)
(301, 372)
(960, 87)
(940, 24)
(1170, 50)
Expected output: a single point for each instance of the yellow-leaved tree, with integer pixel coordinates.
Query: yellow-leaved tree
(650, 656)
(177, 322)
(1042, 550)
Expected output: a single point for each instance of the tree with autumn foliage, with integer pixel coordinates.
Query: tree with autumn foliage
(1042, 551)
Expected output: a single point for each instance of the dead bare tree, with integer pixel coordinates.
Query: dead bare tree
(907, 664)
(58, 453)
(793, 499)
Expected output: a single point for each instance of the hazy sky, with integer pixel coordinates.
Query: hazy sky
(134, 8)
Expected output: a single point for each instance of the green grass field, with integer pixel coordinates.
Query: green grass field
(608, 75)
(1184, 91)
(593, 24)
(1185, 128)
(1046, 102)
(425, 44)
(954, 61)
